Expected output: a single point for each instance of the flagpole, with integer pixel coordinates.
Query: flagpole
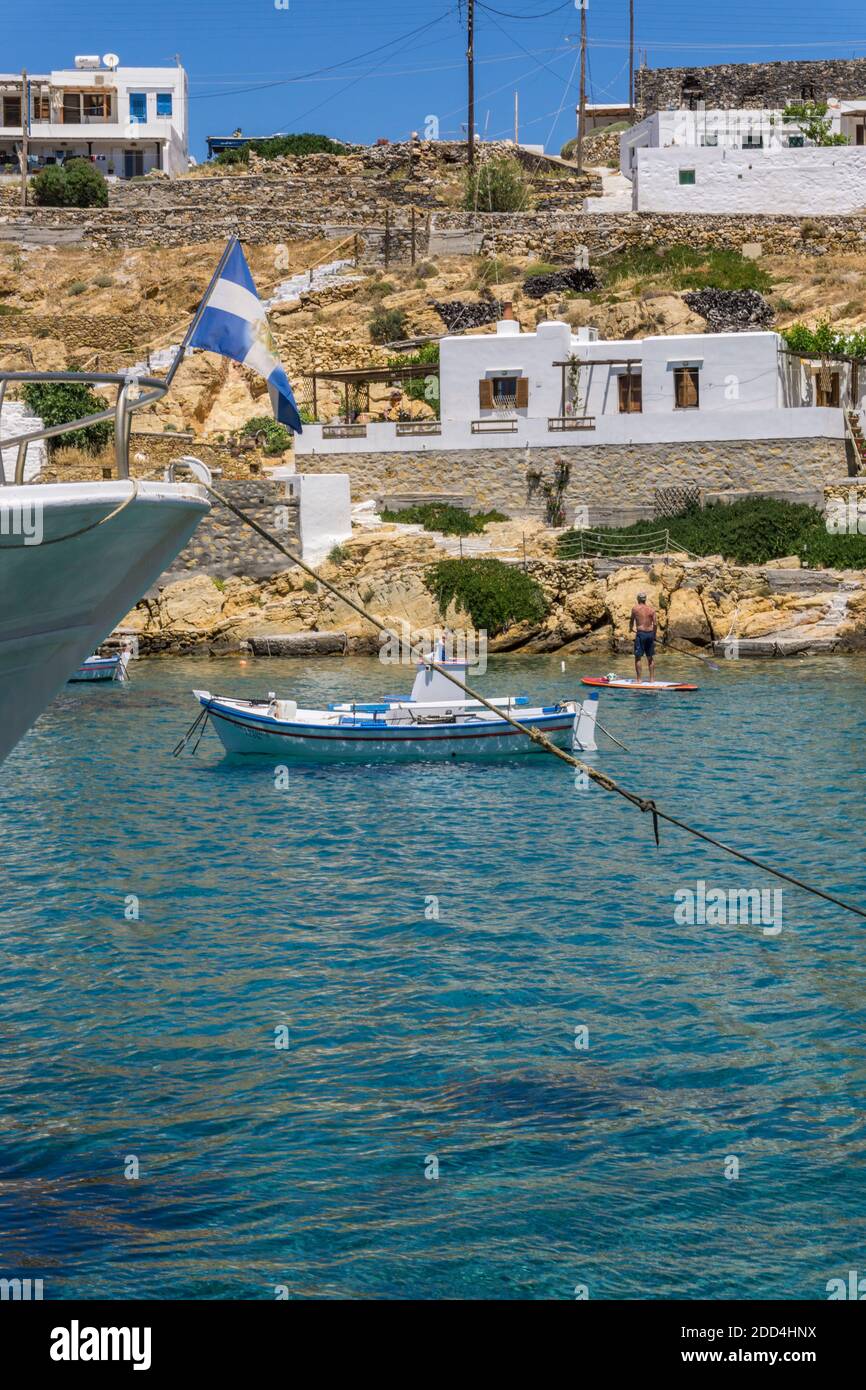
(179, 355)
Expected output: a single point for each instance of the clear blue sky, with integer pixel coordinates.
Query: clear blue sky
(262, 68)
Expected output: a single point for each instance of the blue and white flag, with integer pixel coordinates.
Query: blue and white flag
(234, 323)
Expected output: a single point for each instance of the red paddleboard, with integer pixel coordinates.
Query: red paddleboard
(626, 683)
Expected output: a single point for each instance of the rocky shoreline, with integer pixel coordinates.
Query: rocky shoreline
(774, 609)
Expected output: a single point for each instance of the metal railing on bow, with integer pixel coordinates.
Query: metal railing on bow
(133, 392)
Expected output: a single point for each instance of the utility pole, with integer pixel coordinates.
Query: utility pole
(516, 119)
(25, 133)
(581, 120)
(631, 55)
(470, 59)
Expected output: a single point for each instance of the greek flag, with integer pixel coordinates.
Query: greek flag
(232, 321)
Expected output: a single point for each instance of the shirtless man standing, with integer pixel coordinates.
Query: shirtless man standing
(643, 620)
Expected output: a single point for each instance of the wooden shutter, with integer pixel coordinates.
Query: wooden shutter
(485, 394)
(686, 380)
(522, 392)
(629, 392)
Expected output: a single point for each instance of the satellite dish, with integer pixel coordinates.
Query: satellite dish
(111, 60)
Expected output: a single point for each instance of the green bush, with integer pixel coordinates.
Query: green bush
(749, 532)
(388, 326)
(75, 184)
(236, 156)
(420, 388)
(442, 516)
(277, 439)
(688, 267)
(493, 270)
(57, 402)
(497, 185)
(494, 594)
(541, 268)
(824, 341)
(77, 287)
(276, 145)
(103, 281)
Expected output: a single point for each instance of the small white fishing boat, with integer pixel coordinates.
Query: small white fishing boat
(103, 668)
(436, 721)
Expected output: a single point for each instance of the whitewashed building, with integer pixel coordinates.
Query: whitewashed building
(716, 414)
(553, 387)
(730, 161)
(126, 120)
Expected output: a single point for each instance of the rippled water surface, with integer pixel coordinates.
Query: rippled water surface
(412, 1038)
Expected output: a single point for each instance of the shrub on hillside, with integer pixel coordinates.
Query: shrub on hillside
(57, 402)
(307, 143)
(274, 437)
(75, 184)
(497, 185)
(749, 532)
(442, 516)
(687, 268)
(388, 326)
(235, 156)
(494, 594)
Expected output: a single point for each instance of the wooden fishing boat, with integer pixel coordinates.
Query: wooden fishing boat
(436, 721)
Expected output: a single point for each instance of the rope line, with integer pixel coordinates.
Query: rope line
(646, 805)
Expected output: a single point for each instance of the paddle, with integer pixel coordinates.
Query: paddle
(713, 665)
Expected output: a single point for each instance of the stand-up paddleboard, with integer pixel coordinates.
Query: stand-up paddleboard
(629, 683)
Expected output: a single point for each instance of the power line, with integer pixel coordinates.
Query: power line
(331, 67)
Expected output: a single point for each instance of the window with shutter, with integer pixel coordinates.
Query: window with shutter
(630, 384)
(485, 394)
(522, 392)
(686, 388)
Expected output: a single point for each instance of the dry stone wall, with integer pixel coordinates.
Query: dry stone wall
(609, 479)
(750, 85)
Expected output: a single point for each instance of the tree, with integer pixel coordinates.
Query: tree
(57, 402)
(75, 184)
(497, 185)
(813, 121)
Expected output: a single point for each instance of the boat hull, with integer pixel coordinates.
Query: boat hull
(295, 743)
(59, 601)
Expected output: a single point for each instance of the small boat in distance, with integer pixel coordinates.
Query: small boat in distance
(437, 720)
(615, 682)
(103, 668)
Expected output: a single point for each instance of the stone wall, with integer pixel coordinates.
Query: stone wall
(223, 546)
(555, 235)
(108, 332)
(275, 219)
(606, 478)
(750, 85)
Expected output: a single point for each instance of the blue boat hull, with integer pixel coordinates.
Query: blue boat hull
(284, 741)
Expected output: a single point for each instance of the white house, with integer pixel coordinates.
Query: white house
(554, 388)
(730, 161)
(126, 120)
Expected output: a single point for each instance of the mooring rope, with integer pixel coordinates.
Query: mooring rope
(644, 804)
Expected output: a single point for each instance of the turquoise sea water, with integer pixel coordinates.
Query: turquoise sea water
(412, 1038)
